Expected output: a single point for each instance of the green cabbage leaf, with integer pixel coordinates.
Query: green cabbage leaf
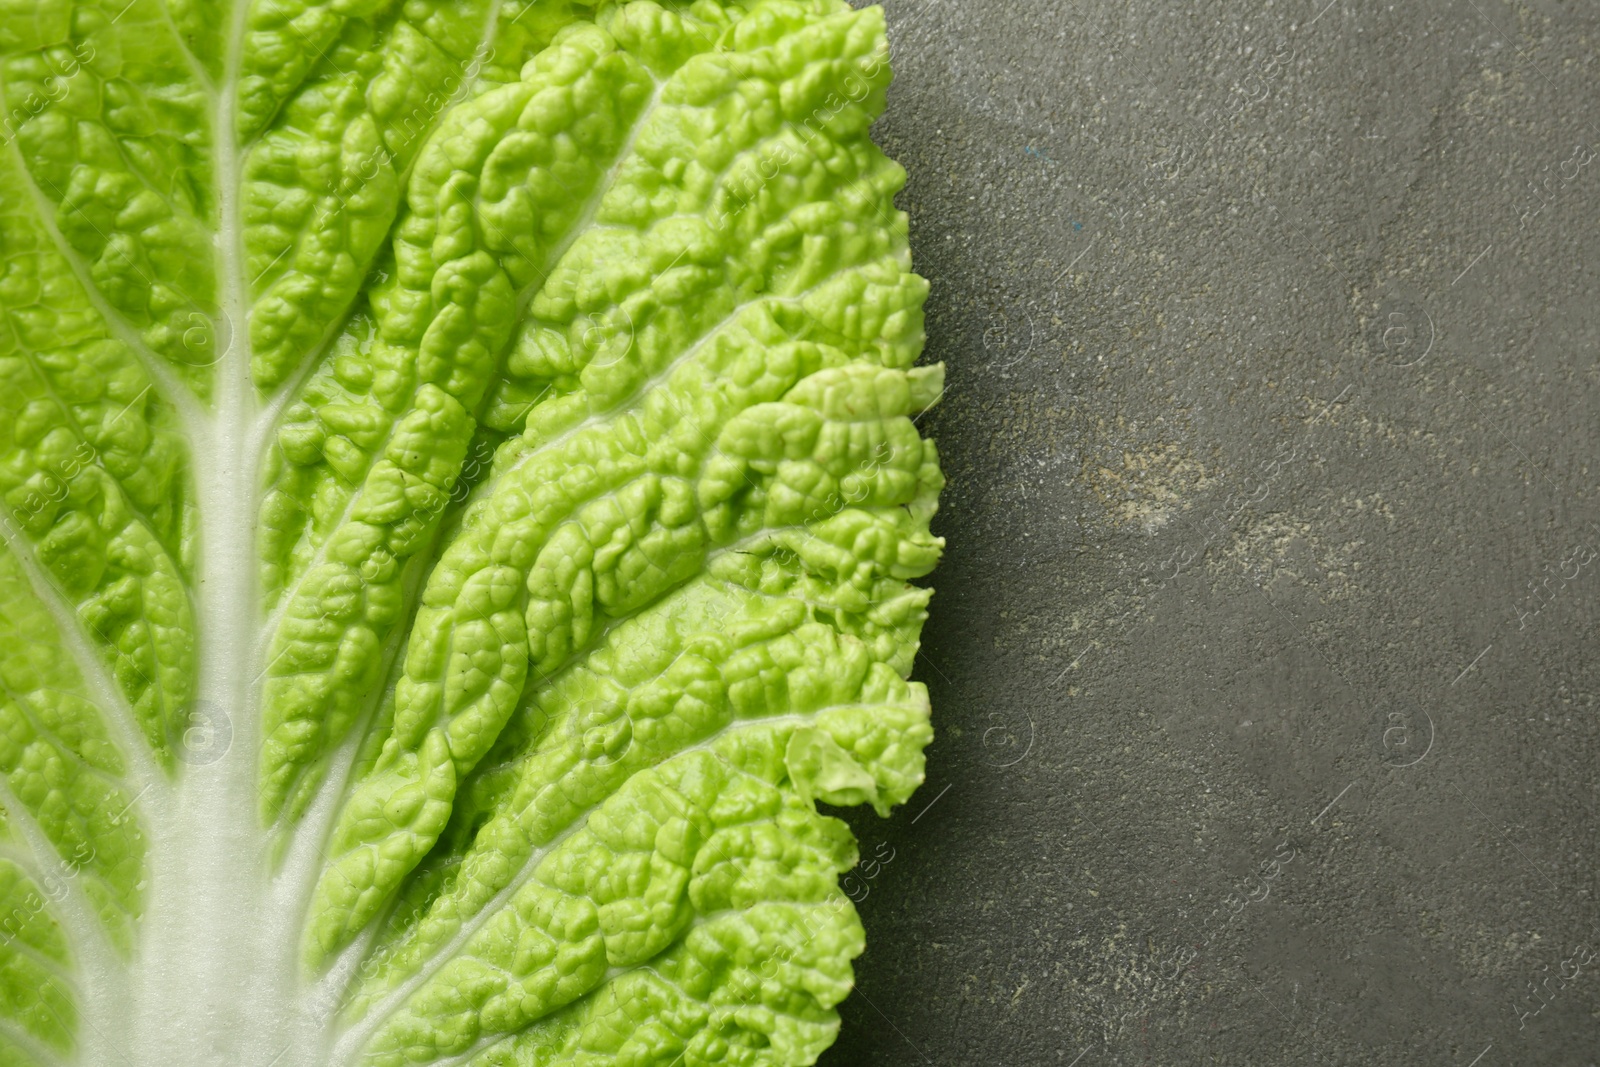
(460, 494)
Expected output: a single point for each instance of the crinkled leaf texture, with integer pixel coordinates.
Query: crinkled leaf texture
(460, 493)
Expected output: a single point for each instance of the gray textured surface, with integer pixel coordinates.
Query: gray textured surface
(1272, 344)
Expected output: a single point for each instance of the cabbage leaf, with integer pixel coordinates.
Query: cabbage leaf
(460, 493)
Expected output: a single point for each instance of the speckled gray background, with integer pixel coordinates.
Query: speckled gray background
(1263, 654)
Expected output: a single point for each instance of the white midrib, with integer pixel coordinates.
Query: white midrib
(216, 977)
(213, 977)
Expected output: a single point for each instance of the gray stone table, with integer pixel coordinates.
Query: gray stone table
(1263, 653)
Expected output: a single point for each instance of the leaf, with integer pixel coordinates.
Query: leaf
(461, 492)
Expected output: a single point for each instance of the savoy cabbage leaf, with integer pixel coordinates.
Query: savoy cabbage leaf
(460, 492)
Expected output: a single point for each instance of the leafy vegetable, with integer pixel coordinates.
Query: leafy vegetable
(460, 488)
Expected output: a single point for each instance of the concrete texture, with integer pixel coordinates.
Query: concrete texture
(1263, 651)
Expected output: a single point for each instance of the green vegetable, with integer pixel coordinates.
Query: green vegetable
(459, 487)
